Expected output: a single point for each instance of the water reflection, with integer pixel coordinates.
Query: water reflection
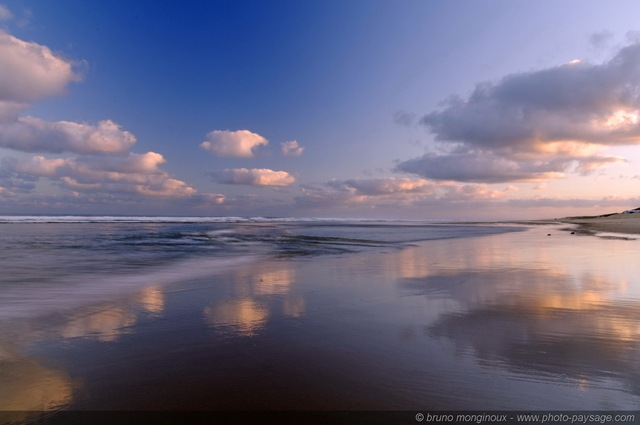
(245, 317)
(107, 322)
(573, 317)
(257, 293)
(274, 282)
(26, 385)
(293, 306)
(152, 300)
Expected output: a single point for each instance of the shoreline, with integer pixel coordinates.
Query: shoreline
(614, 223)
(426, 328)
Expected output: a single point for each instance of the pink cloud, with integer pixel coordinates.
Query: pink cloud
(255, 177)
(238, 144)
(30, 71)
(134, 173)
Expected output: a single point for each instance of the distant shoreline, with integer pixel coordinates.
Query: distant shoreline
(616, 223)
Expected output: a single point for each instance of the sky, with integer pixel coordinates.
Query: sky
(398, 109)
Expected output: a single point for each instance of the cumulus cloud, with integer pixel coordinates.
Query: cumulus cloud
(29, 134)
(238, 144)
(30, 71)
(291, 148)
(103, 167)
(537, 125)
(254, 177)
(132, 174)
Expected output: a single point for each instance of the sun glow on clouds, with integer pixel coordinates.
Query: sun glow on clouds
(134, 173)
(559, 123)
(621, 119)
(29, 134)
(238, 144)
(254, 177)
(103, 165)
(537, 125)
(30, 71)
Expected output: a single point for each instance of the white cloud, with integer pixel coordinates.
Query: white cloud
(103, 170)
(537, 125)
(291, 148)
(131, 174)
(30, 71)
(238, 144)
(255, 177)
(29, 134)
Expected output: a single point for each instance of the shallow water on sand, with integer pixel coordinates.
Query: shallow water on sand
(517, 320)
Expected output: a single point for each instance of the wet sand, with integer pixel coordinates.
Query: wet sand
(516, 321)
(616, 223)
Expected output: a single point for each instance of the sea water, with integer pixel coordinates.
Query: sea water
(54, 262)
(149, 313)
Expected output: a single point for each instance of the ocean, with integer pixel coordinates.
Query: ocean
(53, 262)
(130, 314)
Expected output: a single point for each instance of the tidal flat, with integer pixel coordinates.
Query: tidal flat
(369, 318)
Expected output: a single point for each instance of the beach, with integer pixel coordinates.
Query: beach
(617, 223)
(428, 318)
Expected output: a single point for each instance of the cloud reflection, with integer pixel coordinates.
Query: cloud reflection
(107, 322)
(274, 282)
(26, 385)
(246, 317)
(152, 300)
(293, 306)
(259, 293)
(539, 322)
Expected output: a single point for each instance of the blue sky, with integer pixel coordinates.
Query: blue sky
(382, 109)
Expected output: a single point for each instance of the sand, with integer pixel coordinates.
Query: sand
(510, 321)
(617, 223)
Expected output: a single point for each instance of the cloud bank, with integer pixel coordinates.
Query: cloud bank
(536, 125)
(393, 192)
(236, 144)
